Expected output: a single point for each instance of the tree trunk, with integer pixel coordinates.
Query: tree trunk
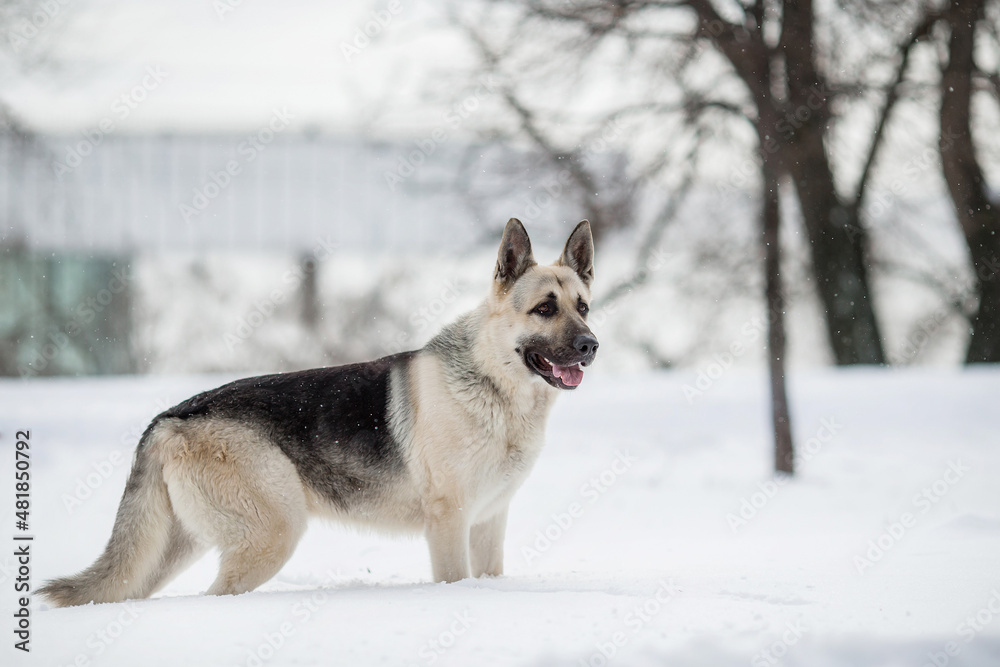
(770, 220)
(837, 240)
(784, 452)
(753, 62)
(980, 221)
(309, 307)
(838, 246)
(793, 112)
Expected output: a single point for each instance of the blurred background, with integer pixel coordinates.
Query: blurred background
(225, 185)
(195, 190)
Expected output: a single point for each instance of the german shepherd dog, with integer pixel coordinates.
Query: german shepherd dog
(437, 440)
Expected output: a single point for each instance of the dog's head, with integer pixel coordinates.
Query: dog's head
(542, 310)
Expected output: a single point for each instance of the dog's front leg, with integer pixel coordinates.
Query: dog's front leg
(448, 539)
(486, 540)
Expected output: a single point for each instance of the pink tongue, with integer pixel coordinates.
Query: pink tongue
(570, 375)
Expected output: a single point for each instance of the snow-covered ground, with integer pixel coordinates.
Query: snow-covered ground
(650, 531)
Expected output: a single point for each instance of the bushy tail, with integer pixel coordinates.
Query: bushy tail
(130, 563)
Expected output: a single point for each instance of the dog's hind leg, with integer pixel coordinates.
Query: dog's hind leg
(182, 550)
(249, 562)
(234, 489)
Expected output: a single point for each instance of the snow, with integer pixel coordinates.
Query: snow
(634, 490)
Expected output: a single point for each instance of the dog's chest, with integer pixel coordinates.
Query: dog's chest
(509, 444)
(513, 446)
(514, 426)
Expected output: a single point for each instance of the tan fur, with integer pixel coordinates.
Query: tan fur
(467, 446)
(145, 545)
(470, 454)
(230, 488)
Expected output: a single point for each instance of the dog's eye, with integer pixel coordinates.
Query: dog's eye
(583, 308)
(545, 309)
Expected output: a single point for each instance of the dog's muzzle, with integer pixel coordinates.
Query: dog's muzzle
(564, 372)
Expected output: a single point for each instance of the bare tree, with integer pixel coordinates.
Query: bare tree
(977, 216)
(792, 84)
(773, 54)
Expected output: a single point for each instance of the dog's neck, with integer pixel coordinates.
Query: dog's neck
(479, 363)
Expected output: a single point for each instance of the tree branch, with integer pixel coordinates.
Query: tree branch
(651, 242)
(892, 96)
(529, 125)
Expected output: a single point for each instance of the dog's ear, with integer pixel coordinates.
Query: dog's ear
(579, 253)
(515, 255)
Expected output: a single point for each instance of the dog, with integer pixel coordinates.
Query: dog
(435, 440)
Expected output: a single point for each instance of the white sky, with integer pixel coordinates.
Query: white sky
(228, 71)
(225, 71)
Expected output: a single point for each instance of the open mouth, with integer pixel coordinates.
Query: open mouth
(557, 375)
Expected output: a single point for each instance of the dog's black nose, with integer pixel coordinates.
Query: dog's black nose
(585, 344)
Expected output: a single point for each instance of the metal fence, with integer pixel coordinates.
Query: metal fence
(74, 210)
(262, 192)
